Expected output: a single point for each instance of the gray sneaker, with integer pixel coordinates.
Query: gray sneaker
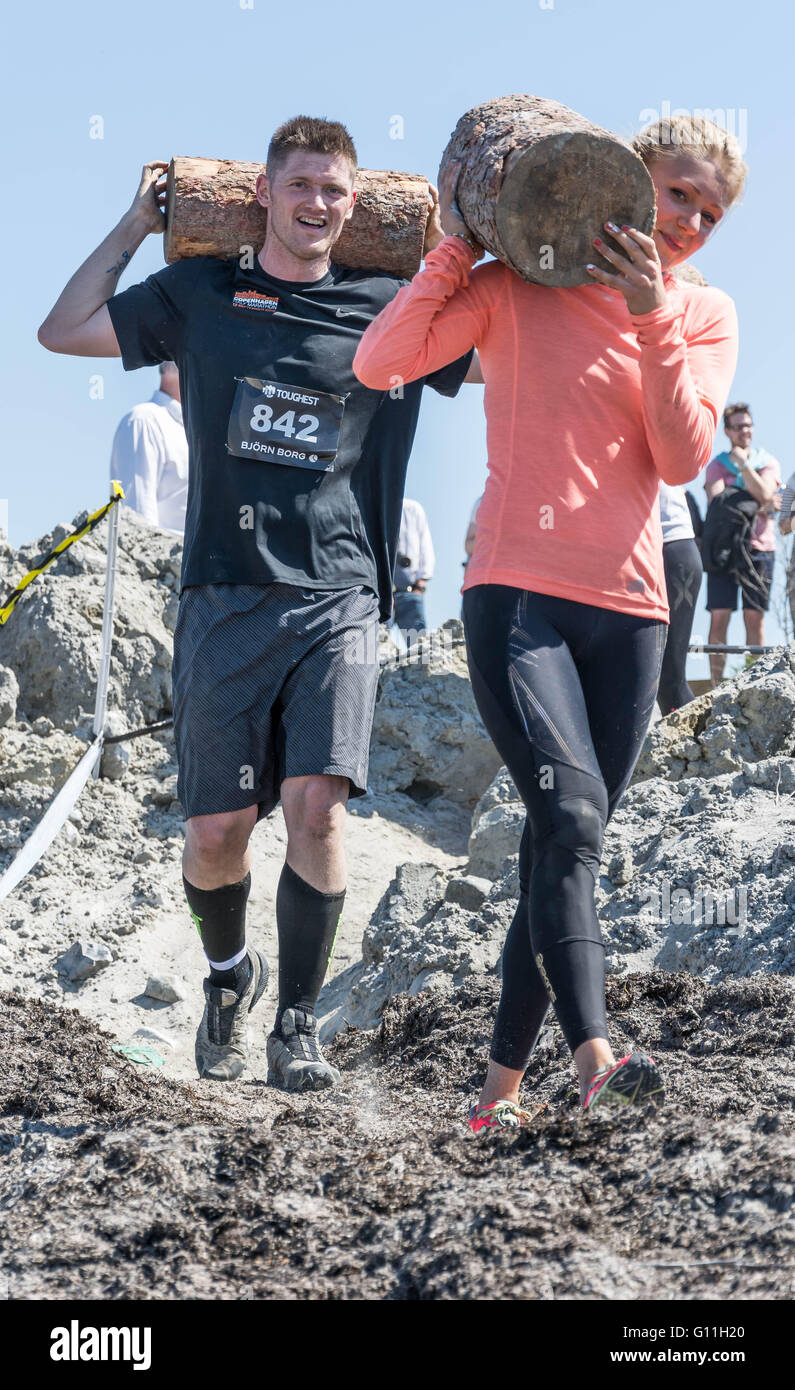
(222, 1039)
(295, 1061)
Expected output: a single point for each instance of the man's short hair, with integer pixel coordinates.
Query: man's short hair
(739, 408)
(313, 135)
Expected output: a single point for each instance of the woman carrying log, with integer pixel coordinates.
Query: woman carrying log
(593, 394)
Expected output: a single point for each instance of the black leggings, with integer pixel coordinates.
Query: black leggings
(682, 562)
(566, 691)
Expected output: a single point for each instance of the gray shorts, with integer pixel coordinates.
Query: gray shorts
(271, 681)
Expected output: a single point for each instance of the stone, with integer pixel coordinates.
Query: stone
(619, 870)
(428, 737)
(496, 836)
(115, 756)
(496, 831)
(156, 1035)
(166, 988)
(469, 891)
(9, 694)
(415, 940)
(745, 720)
(82, 960)
(46, 762)
(53, 641)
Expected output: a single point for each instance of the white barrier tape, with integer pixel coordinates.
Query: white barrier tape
(103, 675)
(52, 820)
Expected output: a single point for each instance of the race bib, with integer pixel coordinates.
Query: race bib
(284, 424)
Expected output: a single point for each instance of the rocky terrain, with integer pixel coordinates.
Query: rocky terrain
(698, 871)
(115, 1175)
(112, 879)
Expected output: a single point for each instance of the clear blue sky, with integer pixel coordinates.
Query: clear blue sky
(213, 77)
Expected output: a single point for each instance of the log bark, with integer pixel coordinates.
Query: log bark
(538, 182)
(212, 210)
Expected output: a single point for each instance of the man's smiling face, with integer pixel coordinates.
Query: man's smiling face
(309, 197)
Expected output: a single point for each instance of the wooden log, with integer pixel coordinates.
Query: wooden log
(212, 210)
(538, 182)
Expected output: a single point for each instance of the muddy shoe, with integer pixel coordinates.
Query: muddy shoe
(222, 1042)
(295, 1061)
(500, 1114)
(635, 1080)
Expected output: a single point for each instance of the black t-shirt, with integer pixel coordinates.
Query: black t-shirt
(250, 518)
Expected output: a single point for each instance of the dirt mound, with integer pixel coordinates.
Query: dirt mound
(121, 1184)
(742, 721)
(428, 737)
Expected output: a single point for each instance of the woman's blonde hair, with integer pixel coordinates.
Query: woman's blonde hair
(698, 138)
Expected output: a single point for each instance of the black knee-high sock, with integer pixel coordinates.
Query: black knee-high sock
(307, 922)
(524, 1000)
(220, 917)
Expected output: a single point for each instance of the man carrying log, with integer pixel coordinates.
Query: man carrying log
(296, 481)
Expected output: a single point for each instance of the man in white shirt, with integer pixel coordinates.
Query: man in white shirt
(150, 456)
(414, 566)
(469, 539)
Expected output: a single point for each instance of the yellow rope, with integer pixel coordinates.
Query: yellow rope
(93, 521)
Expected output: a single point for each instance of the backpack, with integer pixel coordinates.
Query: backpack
(726, 538)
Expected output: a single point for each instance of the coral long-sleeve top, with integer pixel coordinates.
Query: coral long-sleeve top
(587, 408)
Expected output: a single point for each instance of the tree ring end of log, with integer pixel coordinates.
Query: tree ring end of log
(556, 197)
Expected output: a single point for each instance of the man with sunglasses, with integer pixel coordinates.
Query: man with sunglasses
(759, 473)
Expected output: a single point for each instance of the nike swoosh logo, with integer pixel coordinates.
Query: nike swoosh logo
(345, 313)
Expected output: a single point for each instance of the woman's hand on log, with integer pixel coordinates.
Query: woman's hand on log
(640, 278)
(449, 213)
(147, 207)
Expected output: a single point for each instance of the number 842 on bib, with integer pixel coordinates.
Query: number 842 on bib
(292, 425)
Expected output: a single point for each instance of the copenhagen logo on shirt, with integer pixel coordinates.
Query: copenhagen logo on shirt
(254, 299)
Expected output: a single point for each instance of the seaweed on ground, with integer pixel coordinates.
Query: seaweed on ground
(117, 1183)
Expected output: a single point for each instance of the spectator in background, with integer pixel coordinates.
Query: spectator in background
(414, 566)
(469, 542)
(785, 525)
(682, 567)
(469, 539)
(150, 456)
(759, 473)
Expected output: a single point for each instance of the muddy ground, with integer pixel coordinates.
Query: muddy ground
(119, 1183)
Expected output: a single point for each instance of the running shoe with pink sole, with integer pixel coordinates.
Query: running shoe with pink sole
(635, 1080)
(500, 1114)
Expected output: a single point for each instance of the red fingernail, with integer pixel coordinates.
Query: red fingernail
(624, 227)
(597, 242)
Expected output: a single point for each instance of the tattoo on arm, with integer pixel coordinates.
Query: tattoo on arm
(119, 267)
